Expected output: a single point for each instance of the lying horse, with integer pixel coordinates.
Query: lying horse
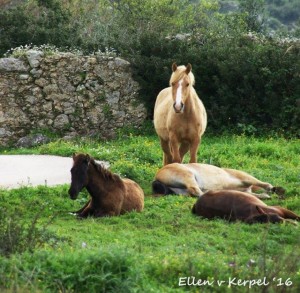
(235, 205)
(110, 195)
(195, 179)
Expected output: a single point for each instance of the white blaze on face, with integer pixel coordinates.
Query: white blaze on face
(178, 100)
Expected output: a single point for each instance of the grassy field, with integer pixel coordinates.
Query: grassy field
(163, 249)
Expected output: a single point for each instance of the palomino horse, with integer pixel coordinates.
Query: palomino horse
(110, 195)
(179, 116)
(195, 179)
(235, 205)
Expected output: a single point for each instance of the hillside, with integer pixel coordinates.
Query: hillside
(278, 14)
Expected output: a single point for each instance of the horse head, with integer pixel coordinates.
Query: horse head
(79, 174)
(181, 81)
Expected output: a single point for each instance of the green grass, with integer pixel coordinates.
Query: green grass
(150, 251)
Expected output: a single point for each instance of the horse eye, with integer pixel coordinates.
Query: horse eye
(173, 83)
(187, 84)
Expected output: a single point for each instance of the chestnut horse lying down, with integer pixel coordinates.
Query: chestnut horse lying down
(110, 195)
(235, 205)
(194, 179)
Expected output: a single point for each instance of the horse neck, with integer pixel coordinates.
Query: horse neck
(97, 182)
(190, 101)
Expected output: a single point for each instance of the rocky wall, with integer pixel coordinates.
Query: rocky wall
(67, 94)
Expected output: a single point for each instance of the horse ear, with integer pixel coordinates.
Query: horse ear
(188, 68)
(73, 155)
(174, 66)
(260, 210)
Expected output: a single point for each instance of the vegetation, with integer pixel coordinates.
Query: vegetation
(246, 78)
(150, 251)
(274, 15)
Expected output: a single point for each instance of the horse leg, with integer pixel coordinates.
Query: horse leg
(176, 177)
(287, 214)
(100, 213)
(174, 146)
(87, 211)
(194, 149)
(183, 149)
(253, 183)
(82, 209)
(167, 158)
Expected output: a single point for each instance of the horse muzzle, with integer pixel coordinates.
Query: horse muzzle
(178, 109)
(73, 193)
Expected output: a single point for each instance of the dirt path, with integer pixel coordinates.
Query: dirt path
(33, 170)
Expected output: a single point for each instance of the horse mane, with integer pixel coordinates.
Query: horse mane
(179, 73)
(106, 174)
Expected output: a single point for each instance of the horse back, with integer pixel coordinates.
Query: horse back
(163, 100)
(227, 204)
(133, 197)
(163, 104)
(200, 111)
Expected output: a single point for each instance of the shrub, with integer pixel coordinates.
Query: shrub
(19, 235)
(69, 272)
(242, 79)
(37, 22)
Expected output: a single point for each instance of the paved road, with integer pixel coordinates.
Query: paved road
(33, 170)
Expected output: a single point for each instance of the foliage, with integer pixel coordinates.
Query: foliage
(245, 79)
(17, 235)
(241, 78)
(255, 14)
(285, 12)
(80, 271)
(274, 15)
(39, 23)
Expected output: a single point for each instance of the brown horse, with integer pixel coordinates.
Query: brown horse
(195, 179)
(179, 116)
(110, 195)
(235, 205)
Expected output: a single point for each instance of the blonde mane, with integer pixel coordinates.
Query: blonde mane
(179, 74)
(105, 172)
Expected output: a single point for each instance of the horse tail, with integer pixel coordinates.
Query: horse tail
(160, 188)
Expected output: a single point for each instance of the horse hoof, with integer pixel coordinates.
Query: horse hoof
(279, 190)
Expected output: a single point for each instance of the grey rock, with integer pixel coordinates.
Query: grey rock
(32, 141)
(4, 133)
(34, 57)
(61, 121)
(12, 64)
(24, 76)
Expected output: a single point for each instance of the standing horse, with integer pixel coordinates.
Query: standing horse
(179, 116)
(110, 195)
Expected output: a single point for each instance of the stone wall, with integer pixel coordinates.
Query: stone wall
(66, 94)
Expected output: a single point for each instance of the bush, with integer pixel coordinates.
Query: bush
(19, 235)
(69, 272)
(37, 22)
(242, 79)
